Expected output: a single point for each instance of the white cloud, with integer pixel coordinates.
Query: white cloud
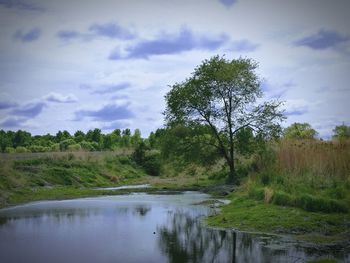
(53, 70)
(59, 98)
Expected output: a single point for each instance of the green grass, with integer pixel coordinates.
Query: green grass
(71, 175)
(63, 176)
(244, 213)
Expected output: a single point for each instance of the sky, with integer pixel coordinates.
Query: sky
(79, 65)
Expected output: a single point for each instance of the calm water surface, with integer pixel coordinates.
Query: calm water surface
(133, 228)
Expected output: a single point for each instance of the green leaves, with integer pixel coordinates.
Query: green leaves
(299, 131)
(222, 95)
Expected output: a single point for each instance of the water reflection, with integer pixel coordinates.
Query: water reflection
(134, 228)
(142, 210)
(184, 239)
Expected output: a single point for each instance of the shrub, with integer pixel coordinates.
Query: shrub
(55, 147)
(86, 146)
(151, 164)
(10, 150)
(257, 193)
(125, 160)
(218, 175)
(65, 143)
(37, 148)
(265, 178)
(74, 147)
(282, 198)
(21, 149)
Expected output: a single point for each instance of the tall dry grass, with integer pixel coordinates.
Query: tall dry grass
(327, 159)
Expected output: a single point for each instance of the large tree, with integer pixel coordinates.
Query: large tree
(223, 94)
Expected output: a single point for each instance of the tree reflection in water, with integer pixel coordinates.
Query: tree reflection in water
(184, 239)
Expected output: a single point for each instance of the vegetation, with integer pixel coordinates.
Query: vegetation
(22, 176)
(215, 130)
(299, 131)
(22, 141)
(222, 94)
(341, 132)
(247, 214)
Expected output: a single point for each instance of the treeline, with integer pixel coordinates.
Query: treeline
(94, 140)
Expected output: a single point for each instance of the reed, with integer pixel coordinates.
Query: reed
(324, 159)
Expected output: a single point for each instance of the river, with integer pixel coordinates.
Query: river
(136, 227)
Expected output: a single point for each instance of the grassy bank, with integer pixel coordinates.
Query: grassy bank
(298, 187)
(49, 176)
(246, 214)
(52, 176)
(294, 187)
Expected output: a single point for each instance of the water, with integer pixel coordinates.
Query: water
(139, 186)
(132, 228)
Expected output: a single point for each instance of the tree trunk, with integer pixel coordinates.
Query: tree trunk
(232, 174)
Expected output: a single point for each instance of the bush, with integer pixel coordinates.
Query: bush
(282, 198)
(74, 147)
(37, 148)
(65, 143)
(21, 149)
(219, 175)
(151, 164)
(265, 178)
(10, 150)
(87, 146)
(55, 147)
(125, 160)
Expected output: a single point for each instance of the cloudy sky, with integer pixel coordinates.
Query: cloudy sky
(107, 64)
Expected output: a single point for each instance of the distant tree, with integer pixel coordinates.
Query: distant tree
(66, 135)
(140, 153)
(61, 136)
(108, 141)
(223, 95)
(299, 131)
(136, 139)
(96, 135)
(151, 140)
(126, 132)
(125, 140)
(117, 132)
(5, 140)
(21, 138)
(341, 132)
(79, 136)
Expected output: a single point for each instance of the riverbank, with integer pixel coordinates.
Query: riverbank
(326, 230)
(318, 230)
(266, 203)
(28, 177)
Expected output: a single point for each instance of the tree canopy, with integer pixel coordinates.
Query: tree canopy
(341, 132)
(299, 131)
(223, 94)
